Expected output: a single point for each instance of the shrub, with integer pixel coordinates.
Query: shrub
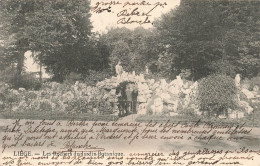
(26, 80)
(77, 106)
(7, 74)
(217, 93)
(223, 67)
(72, 78)
(96, 76)
(185, 73)
(45, 106)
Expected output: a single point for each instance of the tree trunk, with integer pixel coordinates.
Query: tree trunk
(22, 47)
(40, 72)
(20, 64)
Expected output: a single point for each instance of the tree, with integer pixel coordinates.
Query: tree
(14, 42)
(134, 48)
(199, 33)
(59, 30)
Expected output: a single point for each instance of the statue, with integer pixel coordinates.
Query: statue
(119, 68)
(146, 70)
(179, 81)
(237, 80)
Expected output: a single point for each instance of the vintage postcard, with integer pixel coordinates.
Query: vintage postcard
(129, 82)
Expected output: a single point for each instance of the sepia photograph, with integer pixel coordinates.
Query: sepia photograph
(129, 82)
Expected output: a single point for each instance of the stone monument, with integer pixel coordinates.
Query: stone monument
(237, 80)
(119, 69)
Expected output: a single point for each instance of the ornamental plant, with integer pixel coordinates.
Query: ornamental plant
(217, 93)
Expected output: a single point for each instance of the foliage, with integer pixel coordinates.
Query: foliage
(164, 66)
(13, 42)
(216, 94)
(58, 31)
(72, 78)
(135, 49)
(7, 74)
(93, 77)
(26, 80)
(199, 33)
(223, 67)
(185, 73)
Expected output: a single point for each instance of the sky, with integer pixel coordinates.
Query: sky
(103, 21)
(32, 66)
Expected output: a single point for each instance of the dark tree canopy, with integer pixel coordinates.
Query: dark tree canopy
(59, 31)
(134, 48)
(200, 33)
(197, 38)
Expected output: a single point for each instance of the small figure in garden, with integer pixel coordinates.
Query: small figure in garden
(131, 95)
(120, 93)
(134, 96)
(127, 93)
(119, 69)
(237, 80)
(129, 98)
(179, 81)
(146, 70)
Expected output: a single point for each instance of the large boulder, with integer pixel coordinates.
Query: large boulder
(245, 106)
(248, 94)
(157, 106)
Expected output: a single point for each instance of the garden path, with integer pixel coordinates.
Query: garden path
(129, 118)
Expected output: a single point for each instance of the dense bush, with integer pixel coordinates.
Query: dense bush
(26, 80)
(7, 74)
(216, 94)
(223, 67)
(96, 76)
(72, 78)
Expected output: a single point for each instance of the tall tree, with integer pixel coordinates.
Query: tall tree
(134, 48)
(200, 33)
(14, 41)
(59, 30)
